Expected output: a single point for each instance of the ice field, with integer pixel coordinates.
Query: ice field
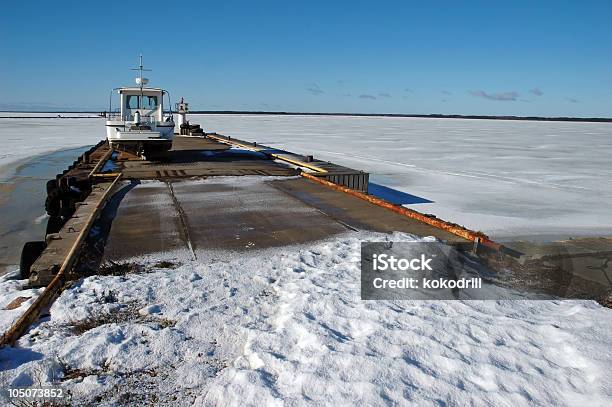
(507, 178)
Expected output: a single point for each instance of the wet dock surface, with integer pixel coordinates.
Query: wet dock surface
(357, 213)
(589, 259)
(234, 199)
(235, 213)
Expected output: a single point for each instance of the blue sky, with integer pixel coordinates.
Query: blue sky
(489, 57)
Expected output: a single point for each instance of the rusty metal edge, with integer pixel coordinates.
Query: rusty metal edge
(48, 295)
(477, 237)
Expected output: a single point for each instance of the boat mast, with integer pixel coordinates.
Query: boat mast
(141, 80)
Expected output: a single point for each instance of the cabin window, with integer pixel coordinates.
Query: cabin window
(132, 102)
(149, 102)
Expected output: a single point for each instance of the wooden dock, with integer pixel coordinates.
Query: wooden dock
(196, 198)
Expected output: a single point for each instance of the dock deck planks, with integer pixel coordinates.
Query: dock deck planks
(181, 204)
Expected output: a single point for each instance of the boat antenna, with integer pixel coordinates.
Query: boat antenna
(140, 80)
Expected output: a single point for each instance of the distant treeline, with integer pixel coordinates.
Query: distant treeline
(426, 116)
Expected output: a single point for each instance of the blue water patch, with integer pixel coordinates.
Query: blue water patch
(239, 152)
(394, 196)
(22, 208)
(111, 165)
(271, 150)
(46, 165)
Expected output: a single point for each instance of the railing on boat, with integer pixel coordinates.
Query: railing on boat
(150, 118)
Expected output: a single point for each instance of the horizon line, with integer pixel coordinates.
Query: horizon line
(347, 114)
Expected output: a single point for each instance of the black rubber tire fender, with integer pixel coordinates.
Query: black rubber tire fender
(51, 186)
(53, 205)
(30, 252)
(54, 224)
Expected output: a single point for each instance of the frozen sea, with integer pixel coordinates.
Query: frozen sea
(509, 179)
(506, 178)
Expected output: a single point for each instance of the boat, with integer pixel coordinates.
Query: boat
(140, 124)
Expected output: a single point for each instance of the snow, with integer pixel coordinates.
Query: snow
(10, 289)
(287, 326)
(26, 137)
(230, 329)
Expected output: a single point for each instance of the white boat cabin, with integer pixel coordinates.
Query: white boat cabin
(148, 103)
(140, 120)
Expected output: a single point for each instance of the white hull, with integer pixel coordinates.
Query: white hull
(119, 131)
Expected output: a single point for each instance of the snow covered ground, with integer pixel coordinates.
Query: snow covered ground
(292, 330)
